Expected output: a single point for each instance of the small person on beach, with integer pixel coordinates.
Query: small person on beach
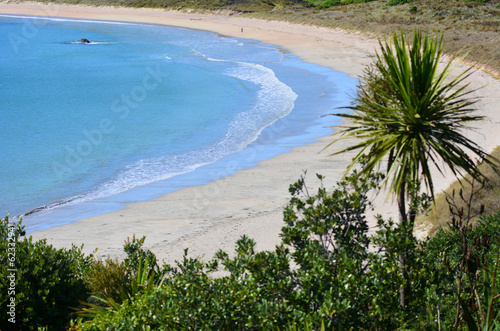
(241, 30)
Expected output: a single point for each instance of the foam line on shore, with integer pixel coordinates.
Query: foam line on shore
(213, 216)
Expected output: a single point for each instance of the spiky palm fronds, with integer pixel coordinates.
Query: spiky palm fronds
(409, 112)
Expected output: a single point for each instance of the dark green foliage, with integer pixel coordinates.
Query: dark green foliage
(397, 2)
(336, 219)
(327, 273)
(136, 254)
(463, 257)
(112, 283)
(109, 279)
(190, 299)
(48, 281)
(328, 236)
(323, 4)
(322, 274)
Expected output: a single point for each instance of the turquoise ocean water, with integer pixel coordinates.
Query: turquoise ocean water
(142, 110)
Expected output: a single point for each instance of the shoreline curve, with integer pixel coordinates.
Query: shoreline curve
(213, 216)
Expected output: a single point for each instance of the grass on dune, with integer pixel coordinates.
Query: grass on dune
(468, 26)
(486, 194)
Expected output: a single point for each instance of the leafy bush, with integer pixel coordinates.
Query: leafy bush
(112, 282)
(44, 283)
(323, 274)
(397, 2)
(464, 256)
(109, 279)
(327, 273)
(136, 254)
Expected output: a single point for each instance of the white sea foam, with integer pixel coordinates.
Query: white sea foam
(274, 101)
(270, 100)
(76, 20)
(92, 43)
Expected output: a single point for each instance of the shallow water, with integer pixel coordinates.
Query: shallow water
(141, 105)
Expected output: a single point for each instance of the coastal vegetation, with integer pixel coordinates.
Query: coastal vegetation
(409, 117)
(483, 196)
(327, 272)
(39, 283)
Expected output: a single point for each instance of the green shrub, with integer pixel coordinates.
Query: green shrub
(136, 254)
(321, 275)
(109, 279)
(482, 196)
(329, 3)
(113, 283)
(46, 282)
(327, 273)
(463, 255)
(397, 2)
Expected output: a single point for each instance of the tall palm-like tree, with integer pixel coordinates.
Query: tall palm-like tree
(412, 115)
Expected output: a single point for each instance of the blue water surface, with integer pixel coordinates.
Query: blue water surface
(142, 110)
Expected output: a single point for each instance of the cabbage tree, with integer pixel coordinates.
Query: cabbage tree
(410, 115)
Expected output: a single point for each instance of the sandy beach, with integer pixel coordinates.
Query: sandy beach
(214, 216)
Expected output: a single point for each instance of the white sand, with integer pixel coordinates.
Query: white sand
(214, 216)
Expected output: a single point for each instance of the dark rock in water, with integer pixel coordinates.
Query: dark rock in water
(83, 40)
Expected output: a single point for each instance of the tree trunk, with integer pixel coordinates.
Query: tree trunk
(404, 291)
